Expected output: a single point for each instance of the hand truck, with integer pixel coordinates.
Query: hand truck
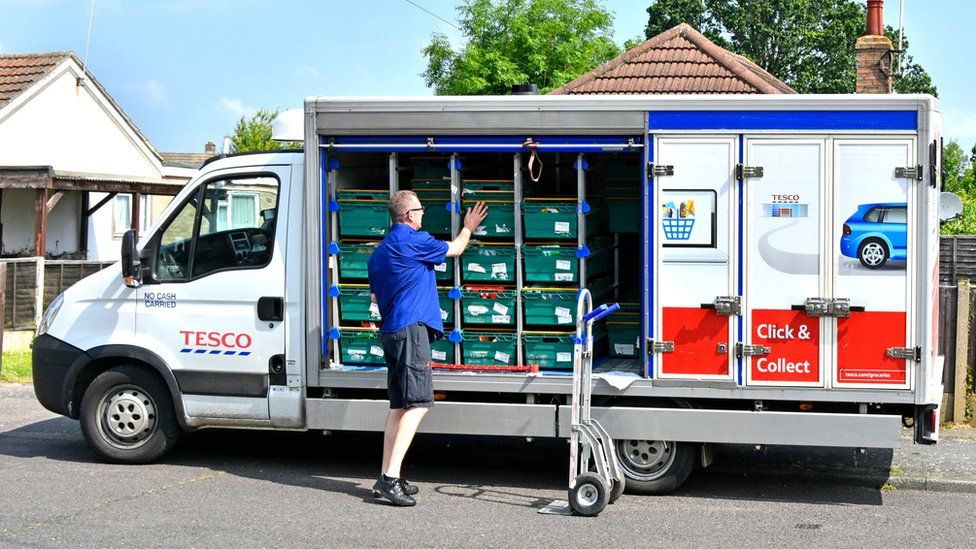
(595, 475)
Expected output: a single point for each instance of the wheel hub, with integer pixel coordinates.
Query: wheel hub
(129, 416)
(646, 459)
(873, 254)
(587, 495)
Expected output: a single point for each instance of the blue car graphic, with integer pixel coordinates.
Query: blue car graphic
(876, 233)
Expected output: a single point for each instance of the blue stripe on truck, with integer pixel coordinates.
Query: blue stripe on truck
(782, 120)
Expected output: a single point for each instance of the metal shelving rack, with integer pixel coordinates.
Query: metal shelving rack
(519, 240)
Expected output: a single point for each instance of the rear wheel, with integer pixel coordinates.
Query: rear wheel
(655, 466)
(127, 416)
(873, 253)
(590, 495)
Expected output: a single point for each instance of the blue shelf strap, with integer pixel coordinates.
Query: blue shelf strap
(584, 207)
(334, 290)
(586, 165)
(457, 164)
(334, 333)
(333, 205)
(334, 248)
(454, 293)
(333, 164)
(455, 336)
(582, 252)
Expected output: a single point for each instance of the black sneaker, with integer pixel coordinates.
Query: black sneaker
(408, 489)
(392, 490)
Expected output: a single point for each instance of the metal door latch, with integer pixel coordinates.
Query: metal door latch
(654, 170)
(839, 307)
(906, 353)
(742, 350)
(909, 172)
(655, 347)
(728, 305)
(817, 306)
(722, 348)
(742, 171)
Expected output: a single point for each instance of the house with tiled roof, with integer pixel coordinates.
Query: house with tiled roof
(680, 60)
(75, 171)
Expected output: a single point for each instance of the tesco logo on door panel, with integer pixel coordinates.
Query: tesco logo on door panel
(228, 340)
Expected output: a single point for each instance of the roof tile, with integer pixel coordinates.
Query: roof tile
(679, 60)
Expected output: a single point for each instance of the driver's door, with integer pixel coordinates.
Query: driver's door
(215, 257)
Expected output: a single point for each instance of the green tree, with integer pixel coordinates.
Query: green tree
(959, 177)
(542, 42)
(254, 134)
(809, 44)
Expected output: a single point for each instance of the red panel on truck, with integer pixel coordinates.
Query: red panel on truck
(696, 334)
(793, 339)
(862, 340)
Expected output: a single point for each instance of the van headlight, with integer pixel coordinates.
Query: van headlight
(49, 314)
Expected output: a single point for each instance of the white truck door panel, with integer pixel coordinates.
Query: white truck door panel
(216, 257)
(872, 234)
(695, 255)
(784, 249)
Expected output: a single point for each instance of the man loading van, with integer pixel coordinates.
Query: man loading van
(402, 283)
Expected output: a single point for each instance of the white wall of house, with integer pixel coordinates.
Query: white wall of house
(73, 129)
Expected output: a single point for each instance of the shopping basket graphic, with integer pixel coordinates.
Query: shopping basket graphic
(678, 228)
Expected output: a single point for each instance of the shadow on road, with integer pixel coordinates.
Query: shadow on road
(507, 470)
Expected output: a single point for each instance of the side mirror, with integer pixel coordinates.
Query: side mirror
(131, 264)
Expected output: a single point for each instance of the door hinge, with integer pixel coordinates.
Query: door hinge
(909, 172)
(654, 170)
(907, 353)
(728, 305)
(655, 347)
(742, 171)
(743, 350)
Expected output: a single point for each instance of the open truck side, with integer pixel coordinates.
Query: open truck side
(761, 310)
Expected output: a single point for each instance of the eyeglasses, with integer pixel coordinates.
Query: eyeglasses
(420, 209)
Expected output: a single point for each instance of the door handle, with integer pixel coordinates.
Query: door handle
(271, 309)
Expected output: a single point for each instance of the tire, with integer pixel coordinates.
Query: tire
(873, 253)
(590, 495)
(617, 488)
(127, 416)
(655, 467)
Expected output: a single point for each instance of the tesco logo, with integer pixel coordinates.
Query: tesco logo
(229, 340)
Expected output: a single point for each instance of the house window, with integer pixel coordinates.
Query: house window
(123, 213)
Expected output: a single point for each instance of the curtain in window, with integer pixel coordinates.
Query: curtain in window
(243, 213)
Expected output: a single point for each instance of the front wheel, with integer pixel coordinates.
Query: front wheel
(127, 416)
(655, 466)
(590, 495)
(873, 254)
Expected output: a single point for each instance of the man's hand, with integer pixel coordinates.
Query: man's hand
(474, 216)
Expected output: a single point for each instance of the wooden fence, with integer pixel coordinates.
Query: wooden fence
(957, 259)
(23, 306)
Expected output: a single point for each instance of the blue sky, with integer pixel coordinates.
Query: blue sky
(186, 70)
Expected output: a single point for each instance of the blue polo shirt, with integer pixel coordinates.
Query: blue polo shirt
(401, 275)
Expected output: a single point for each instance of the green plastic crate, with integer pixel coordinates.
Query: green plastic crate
(600, 260)
(361, 347)
(550, 306)
(354, 262)
(556, 219)
(434, 167)
(488, 264)
(355, 304)
(354, 259)
(363, 213)
(487, 189)
(488, 306)
(554, 351)
(550, 263)
(623, 333)
(557, 306)
(488, 348)
(442, 351)
(437, 215)
(500, 221)
(446, 305)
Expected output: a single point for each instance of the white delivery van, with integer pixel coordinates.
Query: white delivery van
(776, 256)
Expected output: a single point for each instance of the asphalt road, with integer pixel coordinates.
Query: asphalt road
(261, 489)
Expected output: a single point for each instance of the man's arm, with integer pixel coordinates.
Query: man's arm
(472, 219)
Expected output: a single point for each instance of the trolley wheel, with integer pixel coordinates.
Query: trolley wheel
(617, 487)
(589, 496)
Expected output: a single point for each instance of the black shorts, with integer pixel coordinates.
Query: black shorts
(408, 377)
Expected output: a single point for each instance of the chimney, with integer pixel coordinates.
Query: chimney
(210, 148)
(873, 53)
